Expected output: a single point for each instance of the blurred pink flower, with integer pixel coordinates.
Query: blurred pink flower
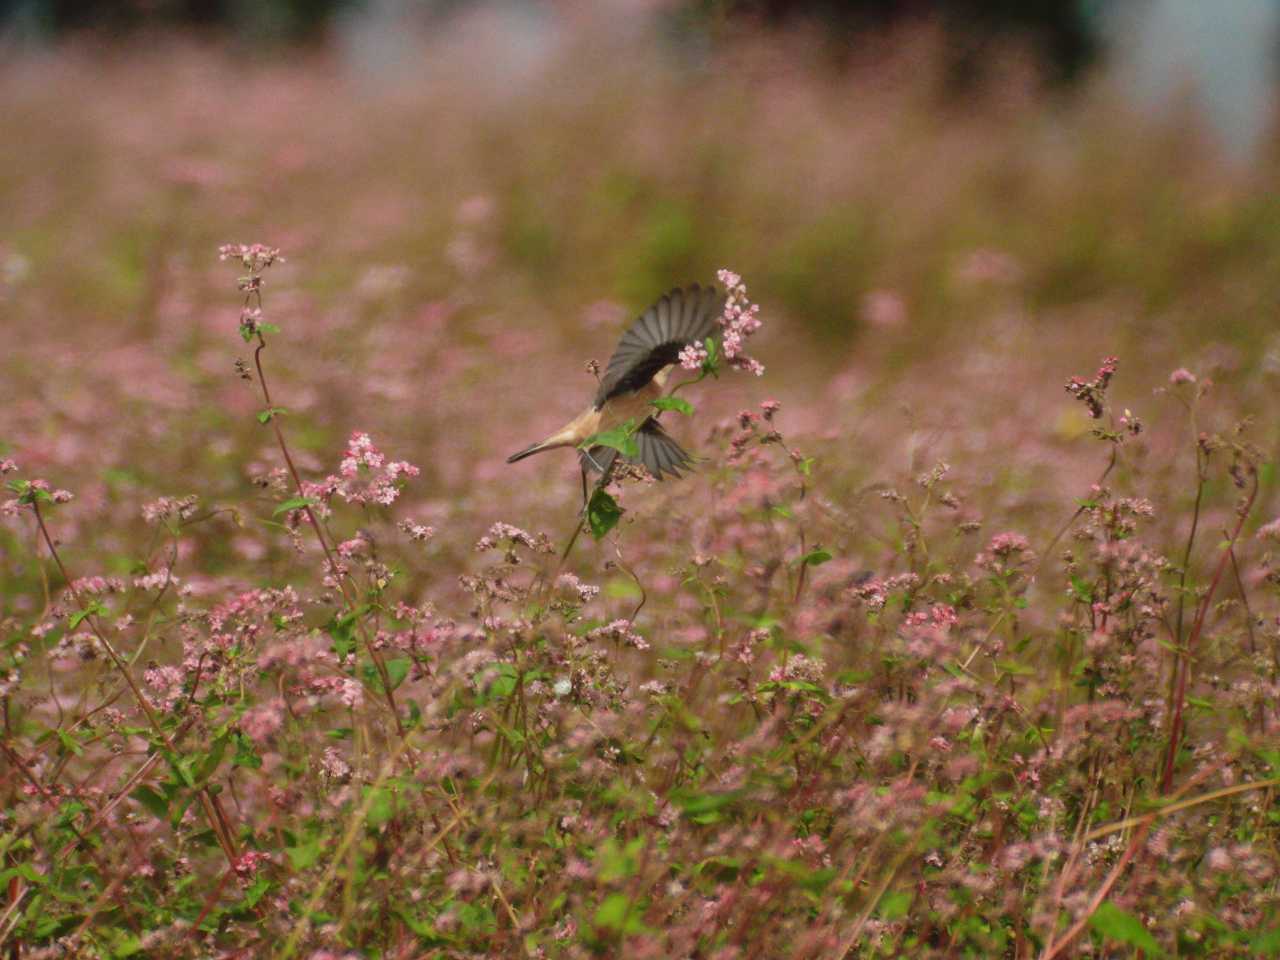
(884, 309)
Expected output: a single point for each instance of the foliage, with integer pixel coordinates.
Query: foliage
(928, 658)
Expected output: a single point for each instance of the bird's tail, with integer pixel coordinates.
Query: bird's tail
(529, 451)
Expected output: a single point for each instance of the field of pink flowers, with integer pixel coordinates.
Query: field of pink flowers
(930, 656)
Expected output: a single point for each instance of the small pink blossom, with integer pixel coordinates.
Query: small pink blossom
(1182, 375)
(417, 532)
(693, 356)
(365, 476)
(333, 766)
(253, 256)
(246, 865)
(619, 631)
(166, 684)
(259, 723)
(586, 592)
(739, 321)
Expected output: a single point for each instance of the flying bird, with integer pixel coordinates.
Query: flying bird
(634, 378)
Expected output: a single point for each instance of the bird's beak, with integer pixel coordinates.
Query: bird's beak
(526, 452)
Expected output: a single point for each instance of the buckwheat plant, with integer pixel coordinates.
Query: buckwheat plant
(772, 715)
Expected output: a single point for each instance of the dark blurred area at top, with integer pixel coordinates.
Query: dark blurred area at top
(1064, 34)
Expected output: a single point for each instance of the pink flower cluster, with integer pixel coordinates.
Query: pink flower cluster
(254, 256)
(693, 356)
(165, 684)
(165, 508)
(365, 476)
(500, 533)
(417, 532)
(740, 320)
(619, 631)
(1092, 393)
(586, 592)
(940, 615)
(1004, 553)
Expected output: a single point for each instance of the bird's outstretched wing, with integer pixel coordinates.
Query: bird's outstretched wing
(659, 453)
(655, 340)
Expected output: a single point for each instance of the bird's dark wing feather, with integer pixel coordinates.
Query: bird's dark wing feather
(655, 340)
(659, 453)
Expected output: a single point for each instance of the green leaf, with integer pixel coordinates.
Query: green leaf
(476, 917)
(296, 503)
(616, 913)
(1123, 927)
(79, 616)
(1266, 944)
(246, 753)
(269, 327)
(123, 944)
(70, 743)
(618, 863)
(180, 768)
(255, 892)
(712, 363)
(894, 906)
(678, 404)
(381, 806)
(304, 854)
(703, 808)
(342, 629)
(209, 763)
(504, 684)
(397, 670)
(153, 801)
(266, 416)
(815, 558)
(620, 438)
(424, 931)
(603, 513)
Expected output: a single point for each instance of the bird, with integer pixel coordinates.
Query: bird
(634, 377)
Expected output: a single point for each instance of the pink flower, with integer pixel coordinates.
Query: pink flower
(586, 591)
(364, 476)
(166, 684)
(884, 308)
(500, 533)
(246, 865)
(739, 321)
(416, 531)
(619, 631)
(1182, 375)
(260, 722)
(254, 256)
(333, 766)
(693, 356)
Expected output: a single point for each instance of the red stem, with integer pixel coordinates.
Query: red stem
(1182, 665)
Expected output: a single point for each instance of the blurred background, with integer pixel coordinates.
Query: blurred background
(945, 209)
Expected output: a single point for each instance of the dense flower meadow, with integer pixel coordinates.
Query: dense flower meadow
(928, 657)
